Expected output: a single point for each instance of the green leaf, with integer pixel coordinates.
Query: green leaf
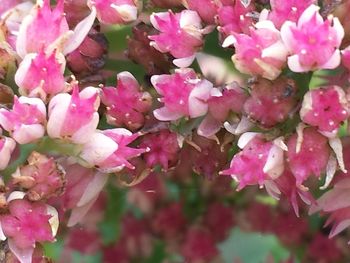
(251, 247)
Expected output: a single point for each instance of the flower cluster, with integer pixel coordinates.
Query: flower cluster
(267, 105)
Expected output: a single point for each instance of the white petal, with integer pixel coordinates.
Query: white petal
(54, 221)
(24, 255)
(337, 147)
(184, 62)
(330, 171)
(246, 138)
(274, 165)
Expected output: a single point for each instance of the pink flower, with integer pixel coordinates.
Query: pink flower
(335, 202)
(233, 17)
(83, 188)
(325, 108)
(271, 102)
(27, 223)
(42, 177)
(45, 28)
(7, 146)
(163, 149)
(126, 104)
(108, 150)
(184, 95)
(181, 35)
(312, 42)
(261, 53)
(291, 10)
(41, 75)
(259, 162)
(115, 11)
(206, 9)
(308, 154)
(26, 121)
(220, 105)
(74, 117)
(323, 249)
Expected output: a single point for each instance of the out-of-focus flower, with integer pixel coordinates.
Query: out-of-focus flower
(126, 104)
(233, 17)
(115, 11)
(181, 35)
(164, 148)
(82, 189)
(27, 223)
(42, 177)
(108, 150)
(184, 95)
(282, 11)
(261, 53)
(271, 102)
(170, 221)
(325, 108)
(41, 75)
(90, 56)
(199, 246)
(308, 154)
(74, 117)
(312, 42)
(7, 145)
(323, 249)
(26, 121)
(259, 162)
(346, 58)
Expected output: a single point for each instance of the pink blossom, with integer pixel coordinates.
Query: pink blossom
(291, 10)
(312, 42)
(323, 249)
(206, 9)
(41, 75)
(126, 104)
(7, 146)
(46, 28)
(325, 108)
(115, 11)
(74, 117)
(26, 121)
(233, 17)
(42, 177)
(258, 162)
(83, 187)
(220, 105)
(261, 53)
(108, 150)
(181, 35)
(308, 154)
(27, 223)
(271, 102)
(163, 149)
(184, 95)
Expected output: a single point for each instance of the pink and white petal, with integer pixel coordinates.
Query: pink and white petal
(339, 29)
(278, 51)
(184, 62)
(98, 148)
(274, 165)
(334, 61)
(24, 255)
(54, 221)
(60, 104)
(160, 15)
(78, 213)
(266, 24)
(198, 99)
(339, 228)
(28, 133)
(82, 135)
(163, 114)
(2, 235)
(93, 189)
(245, 138)
(330, 171)
(21, 43)
(80, 32)
(23, 69)
(295, 66)
(287, 35)
(35, 102)
(337, 147)
(229, 41)
(209, 126)
(127, 12)
(308, 14)
(190, 18)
